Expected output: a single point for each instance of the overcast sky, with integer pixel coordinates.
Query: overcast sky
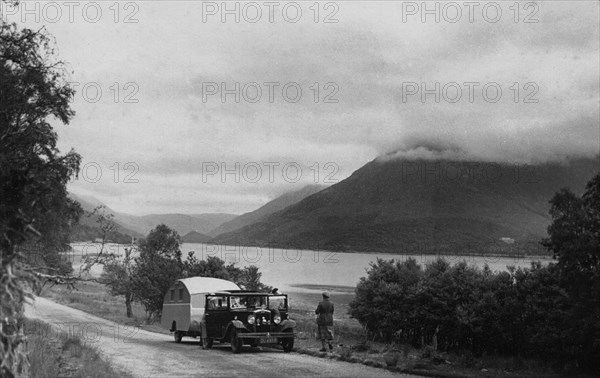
(369, 66)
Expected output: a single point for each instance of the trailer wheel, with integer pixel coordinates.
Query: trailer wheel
(236, 341)
(178, 336)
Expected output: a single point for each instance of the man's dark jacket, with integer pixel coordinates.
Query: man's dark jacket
(325, 312)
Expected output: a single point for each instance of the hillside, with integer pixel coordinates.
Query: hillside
(182, 223)
(402, 206)
(269, 208)
(139, 226)
(88, 229)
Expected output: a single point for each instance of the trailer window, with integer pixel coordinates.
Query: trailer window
(181, 294)
(172, 294)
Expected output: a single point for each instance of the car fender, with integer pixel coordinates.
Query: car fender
(238, 324)
(288, 323)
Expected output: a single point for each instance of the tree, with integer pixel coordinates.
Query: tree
(211, 267)
(574, 238)
(247, 278)
(33, 173)
(384, 299)
(158, 266)
(117, 274)
(106, 227)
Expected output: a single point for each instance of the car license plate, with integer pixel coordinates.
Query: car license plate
(268, 340)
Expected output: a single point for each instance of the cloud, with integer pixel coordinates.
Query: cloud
(370, 55)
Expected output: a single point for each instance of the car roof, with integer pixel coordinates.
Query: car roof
(197, 285)
(243, 292)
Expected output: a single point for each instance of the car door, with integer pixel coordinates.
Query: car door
(216, 315)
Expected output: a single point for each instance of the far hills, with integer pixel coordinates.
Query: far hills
(279, 203)
(182, 223)
(195, 237)
(193, 228)
(139, 226)
(413, 206)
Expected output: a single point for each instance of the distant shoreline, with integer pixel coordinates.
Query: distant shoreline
(495, 255)
(338, 288)
(547, 257)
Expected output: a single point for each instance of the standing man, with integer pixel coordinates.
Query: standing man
(325, 321)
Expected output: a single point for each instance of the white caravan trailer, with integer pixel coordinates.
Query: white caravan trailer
(183, 306)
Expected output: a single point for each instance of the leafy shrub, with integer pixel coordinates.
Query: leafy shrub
(363, 346)
(427, 352)
(391, 358)
(467, 359)
(345, 353)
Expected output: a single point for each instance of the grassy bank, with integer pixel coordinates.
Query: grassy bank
(63, 355)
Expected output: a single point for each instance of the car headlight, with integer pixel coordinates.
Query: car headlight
(277, 319)
(251, 319)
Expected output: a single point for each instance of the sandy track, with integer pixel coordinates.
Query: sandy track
(142, 353)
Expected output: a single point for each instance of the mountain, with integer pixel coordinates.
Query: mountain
(423, 206)
(88, 204)
(89, 230)
(182, 223)
(139, 226)
(195, 237)
(271, 207)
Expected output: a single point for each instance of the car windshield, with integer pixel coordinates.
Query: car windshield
(277, 302)
(243, 301)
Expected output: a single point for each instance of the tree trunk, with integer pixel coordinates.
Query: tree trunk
(128, 305)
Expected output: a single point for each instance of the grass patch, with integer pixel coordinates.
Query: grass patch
(42, 353)
(93, 298)
(54, 354)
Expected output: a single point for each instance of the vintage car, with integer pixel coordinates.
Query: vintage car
(227, 314)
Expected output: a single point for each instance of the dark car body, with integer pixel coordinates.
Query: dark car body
(251, 318)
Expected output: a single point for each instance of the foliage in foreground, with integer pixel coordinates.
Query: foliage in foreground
(34, 208)
(550, 312)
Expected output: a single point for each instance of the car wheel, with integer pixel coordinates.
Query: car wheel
(288, 344)
(178, 336)
(236, 341)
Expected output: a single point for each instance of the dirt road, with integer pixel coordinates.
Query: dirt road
(142, 353)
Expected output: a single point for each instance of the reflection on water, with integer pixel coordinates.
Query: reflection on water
(284, 268)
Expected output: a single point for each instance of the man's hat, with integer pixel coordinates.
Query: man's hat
(325, 294)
